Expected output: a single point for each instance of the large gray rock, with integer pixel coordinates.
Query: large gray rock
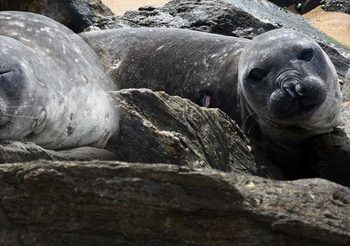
(298, 6)
(101, 203)
(239, 18)
(76, 14)
(337, 6)
(329, 155)
(158, 128)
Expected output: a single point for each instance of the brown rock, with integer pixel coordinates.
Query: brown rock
(329, 154)
(75, 14)
(101, 203)
(158, 128)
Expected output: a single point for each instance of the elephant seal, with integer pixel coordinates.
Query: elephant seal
(281, 82)
(53, 87)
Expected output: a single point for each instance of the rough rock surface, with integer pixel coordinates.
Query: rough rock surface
(11, 152)
(298, 6)
(101, 203)
(329, 154)
(158, 128)
(76, 14)
(115, 203)
(337, 6)
(235, 18)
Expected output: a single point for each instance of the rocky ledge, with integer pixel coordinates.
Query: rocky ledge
(178, 174)
(112, 203)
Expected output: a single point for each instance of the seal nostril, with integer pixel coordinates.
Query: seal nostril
(289, 91)
(298, 89)
(293, 88)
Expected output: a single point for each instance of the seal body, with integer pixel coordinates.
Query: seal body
(281, 82)
(53, 89)
(195, 65)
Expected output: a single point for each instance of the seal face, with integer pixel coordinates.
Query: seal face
(281, 81)
(289, 85)
(53, 90)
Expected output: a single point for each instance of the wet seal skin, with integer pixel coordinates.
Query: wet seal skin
(281, 82)
(53, 89)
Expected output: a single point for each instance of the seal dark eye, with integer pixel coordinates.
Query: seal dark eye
(306, 54)
(256, 75)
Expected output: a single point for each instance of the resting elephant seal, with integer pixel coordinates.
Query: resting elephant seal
(281, 81)
(53, 88)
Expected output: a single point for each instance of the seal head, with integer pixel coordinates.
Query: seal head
(53, 90)
(289, 86)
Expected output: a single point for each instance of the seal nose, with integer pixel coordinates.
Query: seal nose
(293, 88)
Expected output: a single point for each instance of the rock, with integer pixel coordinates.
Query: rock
(111, 203)
(11, 152)
(298, 6)
(329, 154)
(158, 128)
(75, 14)
(337, 6)
(230, 17)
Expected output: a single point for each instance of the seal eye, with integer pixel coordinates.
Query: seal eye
(306, 55)
(256, 75)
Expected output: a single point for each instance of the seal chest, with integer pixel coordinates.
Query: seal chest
(54, 90)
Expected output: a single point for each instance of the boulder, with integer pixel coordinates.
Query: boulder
(75, 14)
(158, 128)
(298, 6)
(337, 6)
(112, 203)
(228, 17)
(329, 155)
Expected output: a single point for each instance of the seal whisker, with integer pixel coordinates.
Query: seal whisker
(16, 107)
(21, 116)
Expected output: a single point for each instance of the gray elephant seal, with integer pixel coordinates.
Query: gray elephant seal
(281, 81)
(53, 90)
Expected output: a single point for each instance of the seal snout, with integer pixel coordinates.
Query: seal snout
(297, 96)
(308, 91)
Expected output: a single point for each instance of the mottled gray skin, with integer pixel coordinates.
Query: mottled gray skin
(53, 90)
(295, 98)
(180, 62)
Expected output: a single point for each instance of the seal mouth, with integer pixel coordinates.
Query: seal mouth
(5, 72)
(303, 111)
